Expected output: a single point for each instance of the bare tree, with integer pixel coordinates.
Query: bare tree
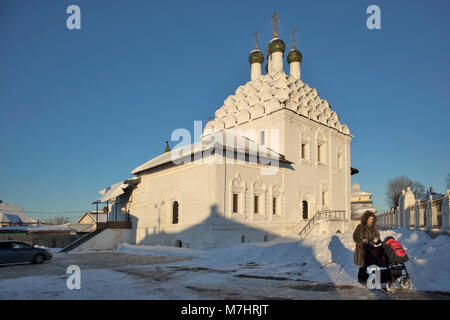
(418, 189)
(395, 186)
(58, 220)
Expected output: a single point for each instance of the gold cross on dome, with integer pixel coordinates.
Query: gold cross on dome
(275, 23)
(256, 38)
(293, 36)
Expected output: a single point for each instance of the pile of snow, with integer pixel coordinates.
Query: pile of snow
(158, 250)
(326, 258)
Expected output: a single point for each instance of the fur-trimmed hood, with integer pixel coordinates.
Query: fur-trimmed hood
(366, 215)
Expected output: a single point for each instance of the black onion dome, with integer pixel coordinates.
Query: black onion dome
(294, 55)
(275, 45)
(256, 56)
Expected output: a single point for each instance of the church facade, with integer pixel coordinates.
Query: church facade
(274, 155)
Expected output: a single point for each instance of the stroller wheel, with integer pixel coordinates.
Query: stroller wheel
(391, 287)
(405, 283)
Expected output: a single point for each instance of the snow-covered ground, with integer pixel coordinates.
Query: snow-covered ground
(323, 259)
(319, 267)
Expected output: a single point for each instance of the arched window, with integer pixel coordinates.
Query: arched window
(178, 244)
(305, 209)
(175, 208)
(243, 238)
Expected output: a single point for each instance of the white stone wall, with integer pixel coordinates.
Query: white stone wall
(432, 215)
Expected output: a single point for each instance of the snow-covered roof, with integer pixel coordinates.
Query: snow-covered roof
(434, 196)
(102, 217)
(358, 209)
(115, 190)
(269, 93)
(112, 192)
(229, 140)
(11, 213)
(360, 193)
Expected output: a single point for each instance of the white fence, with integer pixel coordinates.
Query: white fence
(431, 215)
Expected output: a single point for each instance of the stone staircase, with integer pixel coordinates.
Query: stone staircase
(81, 240)
(307, 226)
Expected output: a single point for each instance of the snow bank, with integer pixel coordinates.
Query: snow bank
(158, 250)
(326, 258)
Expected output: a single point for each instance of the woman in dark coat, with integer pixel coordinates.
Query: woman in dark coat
(365, 232)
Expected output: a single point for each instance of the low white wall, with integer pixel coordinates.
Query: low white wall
(108, 239)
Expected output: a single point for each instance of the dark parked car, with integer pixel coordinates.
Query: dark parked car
(18, 251)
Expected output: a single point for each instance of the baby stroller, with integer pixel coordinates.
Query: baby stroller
(388, 258)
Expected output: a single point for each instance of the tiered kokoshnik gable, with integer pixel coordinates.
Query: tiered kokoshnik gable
(273, 91)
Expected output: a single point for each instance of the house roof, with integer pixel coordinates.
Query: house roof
(102, 217)
(218, 142)
(11, 213)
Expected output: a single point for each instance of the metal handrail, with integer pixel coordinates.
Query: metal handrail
(322, 215)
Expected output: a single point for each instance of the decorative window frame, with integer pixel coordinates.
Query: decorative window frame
(238, 186)
(277, 193)
(260, 190)
(305, 139)
(321, 141)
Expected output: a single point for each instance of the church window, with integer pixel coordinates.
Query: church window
(318, 153)
(323, 198)
(305, 152)
(235, 202)
(256, 204)
(243, 238)
(274, 205)
(175, 208)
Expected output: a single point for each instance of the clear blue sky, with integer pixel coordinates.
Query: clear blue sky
(79, 109)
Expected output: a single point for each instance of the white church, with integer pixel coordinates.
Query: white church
(273, 163)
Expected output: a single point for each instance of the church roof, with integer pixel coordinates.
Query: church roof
(269, 93)
(229, 141)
